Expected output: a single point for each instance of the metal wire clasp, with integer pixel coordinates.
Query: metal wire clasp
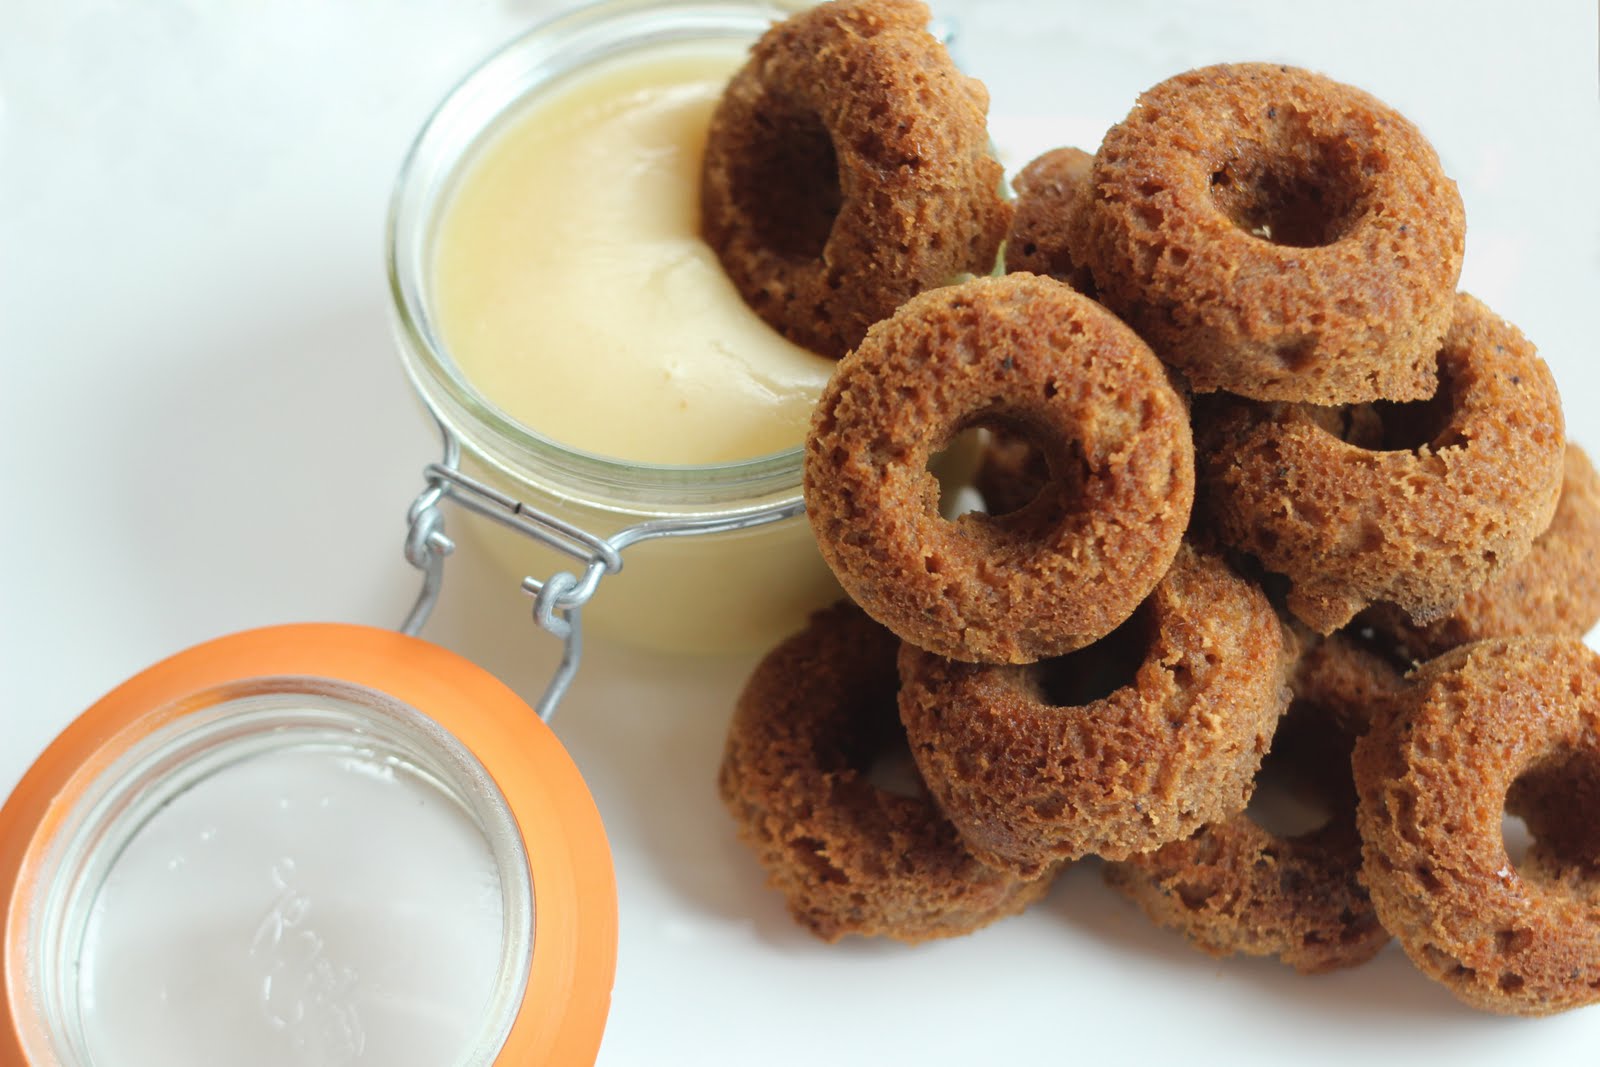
(557, 600)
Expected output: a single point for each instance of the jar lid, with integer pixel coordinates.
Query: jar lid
(263, 740)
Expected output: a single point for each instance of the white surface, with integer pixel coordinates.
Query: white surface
(205, 430)
(309, 907)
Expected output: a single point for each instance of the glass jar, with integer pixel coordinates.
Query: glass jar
(307, 844)
(718, 557)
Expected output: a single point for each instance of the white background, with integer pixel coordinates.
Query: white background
(205, 429)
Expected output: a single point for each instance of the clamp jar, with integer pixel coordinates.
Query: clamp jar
(719, 556)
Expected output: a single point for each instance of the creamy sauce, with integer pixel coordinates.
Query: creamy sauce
(303, 907)
(574, 293)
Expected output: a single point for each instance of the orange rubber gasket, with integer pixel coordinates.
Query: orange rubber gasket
(568, 994)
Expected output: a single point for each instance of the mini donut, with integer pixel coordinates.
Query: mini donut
(847, 169)
(1278, 235)
(1235, 886)
(1554, 589)
(1050, 191)
(1518, 715)
(1034, 765)
(1033, 357)
(1418, 527)
(851, 858)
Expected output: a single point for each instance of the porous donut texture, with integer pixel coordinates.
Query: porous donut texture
(1032, 356)
(1518, 715)
(1050, 192)
(1418, 527)
(1277, 235)
(848, 168)
(1554, 589)
(1029, 783)
(1235, 886)
(850, 857)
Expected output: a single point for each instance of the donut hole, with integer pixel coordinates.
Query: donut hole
(1302, 192)
(1283, 807)
(1408, 426)
(1396, 426)
(1305, 780)
(893, 770)
(1011, 471)
(866, 737)
(1555, 800)
(1373, 641)
(1098, 670)
(787, 183)
(1517, 837)
(953, 467)
(1285, 804)
(1021, 463)
(865, 729)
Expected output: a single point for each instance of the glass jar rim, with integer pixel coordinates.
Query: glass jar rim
(468, 115)
(215, 733)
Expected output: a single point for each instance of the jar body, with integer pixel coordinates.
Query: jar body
(709, 592)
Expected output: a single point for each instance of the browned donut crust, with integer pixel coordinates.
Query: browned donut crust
(1032, 773)
(1032, 356)
(1419, 527)
(1554, 589)
(848, 169)
(1235, 886)
(1050, 192)
(850, 857)
(1276, 234)
(1433, 779)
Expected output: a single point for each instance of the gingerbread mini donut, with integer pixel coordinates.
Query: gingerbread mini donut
(1039, 764)
(1278, 235)
(848, 168)
(1554, 589)
(851, 858)
(1419, 527)
(1236, 886)
(1051, 190)
(1031, 356)
(1514, 715)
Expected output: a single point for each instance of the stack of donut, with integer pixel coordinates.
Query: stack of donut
(1259, 481)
